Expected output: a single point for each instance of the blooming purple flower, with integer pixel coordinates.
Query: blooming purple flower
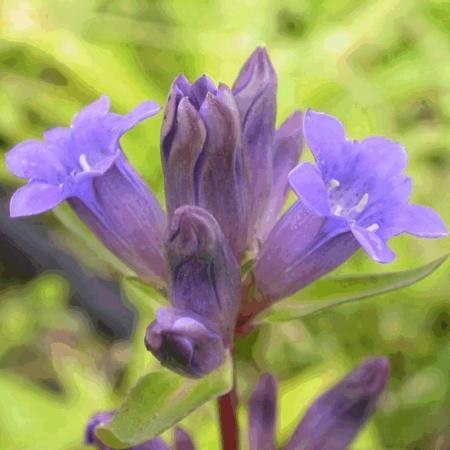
(356, 196)
(85, 165)
(270, 154)
(201, 146)
(204, 285)
(332, 421)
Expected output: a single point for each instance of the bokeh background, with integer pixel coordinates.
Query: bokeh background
(70, 336)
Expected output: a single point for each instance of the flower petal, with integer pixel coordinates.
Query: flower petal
(325, 136)
(307, 183)
(141, 112)
(182, 440)
(375, 247)
(98, 108)
(425, 222)
(34, 198)
(35, 159)
(288, 144)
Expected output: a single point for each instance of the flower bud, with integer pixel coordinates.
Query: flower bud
(203, 157)
(255, 92)
(335, 418)
(182, 440)
(204, 277)
(183, 342)
(262, 414)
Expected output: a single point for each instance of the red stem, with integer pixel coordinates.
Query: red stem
(228, 420)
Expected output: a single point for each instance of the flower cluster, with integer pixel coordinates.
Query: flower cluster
(227, 172)
(331, 423)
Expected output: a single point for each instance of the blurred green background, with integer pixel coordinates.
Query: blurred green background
(67, 345)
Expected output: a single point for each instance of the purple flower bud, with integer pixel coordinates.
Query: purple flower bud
(202, 156)
(335, 418)
(255, 93)
(262, 414)
(203, 274)
(85, 164)
(103, 418)
(182, 440)
(185, 342)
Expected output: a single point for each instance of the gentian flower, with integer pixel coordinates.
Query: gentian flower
(85, 165)
(332, 422)
(270, 153)
(356, 196)
(204, 288)
(202, 155)
(182, 439)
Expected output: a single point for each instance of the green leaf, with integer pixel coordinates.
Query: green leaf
(329, 292)
(158, 401)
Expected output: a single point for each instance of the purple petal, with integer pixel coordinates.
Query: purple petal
(307, 183)
(35, 160)
(101, 418)
(96, 109)
(262, 412)
(156, 443)
(136, 229)
(185, 342)
(34, 198)
(182, 440)
(325, 136)
(374, 246)
(220, 176)
(204, 275)
(182, 155)
(424, 222)
(301, 248)
(287, 149)
(200, 88)
(335, 418)
(141, 112)
(255, 91)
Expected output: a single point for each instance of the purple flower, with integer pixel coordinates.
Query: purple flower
(204, 287)
(356, 196)
(201, 148)
(85, 165)
(270, 154)
(332, 421)
(182, 440)
(335, 418)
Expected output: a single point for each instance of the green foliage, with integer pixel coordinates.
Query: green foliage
(160, 400)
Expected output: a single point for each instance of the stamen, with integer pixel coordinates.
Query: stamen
(373, 227)
(337, 210)
(84, 162)
(362, 203)
(332, 184)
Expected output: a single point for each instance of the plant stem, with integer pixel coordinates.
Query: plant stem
(228, 420)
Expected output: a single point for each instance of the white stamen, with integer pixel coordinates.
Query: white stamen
(337, 210)
(373, 227)
(362, 203)
(84, 162)
(332, 184)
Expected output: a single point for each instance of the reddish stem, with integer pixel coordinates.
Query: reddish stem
(228, 420)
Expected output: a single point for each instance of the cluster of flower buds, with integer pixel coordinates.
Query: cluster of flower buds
(227, 172)
(331, 423)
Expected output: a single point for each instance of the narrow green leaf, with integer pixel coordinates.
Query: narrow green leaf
(158, 401)
(329, 292)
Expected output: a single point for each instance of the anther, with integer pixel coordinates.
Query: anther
(373, 227)
(362, 203)
(333, 184)
(84, 162)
